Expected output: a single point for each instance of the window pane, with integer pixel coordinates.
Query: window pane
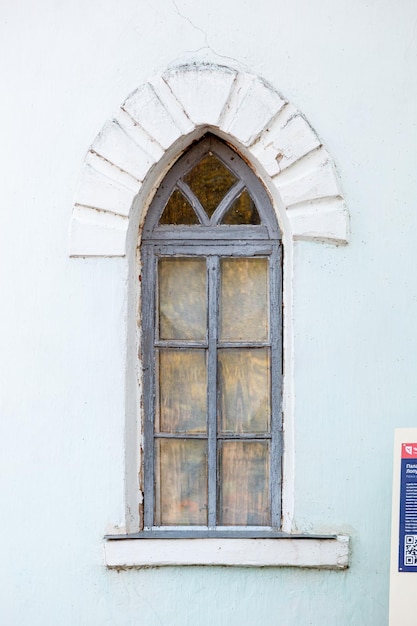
(178, 211)
(182, 391)
(244, 299)
(180, 482)
(242, 211)
(182, 298)
(244, 483)
(244, 391)
(210, 180)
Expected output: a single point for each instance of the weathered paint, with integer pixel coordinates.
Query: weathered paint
(331, 553)
(66, 67)
(255, 117)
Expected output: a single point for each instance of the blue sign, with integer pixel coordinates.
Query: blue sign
(407, 555)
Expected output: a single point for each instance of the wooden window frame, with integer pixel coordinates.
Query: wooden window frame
(213, 242)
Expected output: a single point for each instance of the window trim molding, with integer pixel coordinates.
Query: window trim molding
(312, 552)
(165, 115)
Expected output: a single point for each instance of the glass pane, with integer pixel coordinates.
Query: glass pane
(244, 391)
(182, 391)
(180, 482)
(242, 211)
(182, 298)
(178, 211)
(244, 300)
(244, 483)
(210, 180)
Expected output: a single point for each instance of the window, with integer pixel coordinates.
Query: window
(211, 350)
(119, 170)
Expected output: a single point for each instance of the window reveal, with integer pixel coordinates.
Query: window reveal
(212, 347)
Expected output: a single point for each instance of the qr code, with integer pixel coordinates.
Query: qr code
(410, 550)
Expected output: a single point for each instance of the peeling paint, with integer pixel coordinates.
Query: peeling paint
(249, 110)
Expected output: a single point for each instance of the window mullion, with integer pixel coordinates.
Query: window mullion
(276, 391)
(213, 281)
(225, 204)
(148, 351)
(194, 201)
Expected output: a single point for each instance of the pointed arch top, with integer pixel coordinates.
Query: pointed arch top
(211, 192)
(177, 104)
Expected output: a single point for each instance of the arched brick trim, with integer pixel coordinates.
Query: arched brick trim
(178, 103)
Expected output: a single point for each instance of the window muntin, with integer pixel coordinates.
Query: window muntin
(212, 349)
(209, 180)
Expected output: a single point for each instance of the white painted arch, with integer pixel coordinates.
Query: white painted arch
(164, 115)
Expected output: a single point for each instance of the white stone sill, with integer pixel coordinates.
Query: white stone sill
(329, 553)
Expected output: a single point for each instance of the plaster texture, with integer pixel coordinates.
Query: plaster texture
(183, 104)
(349, 67)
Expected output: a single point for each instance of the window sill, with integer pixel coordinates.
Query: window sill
(309, 551)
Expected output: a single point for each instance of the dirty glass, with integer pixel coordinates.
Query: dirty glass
(244, 299)
(242, 211)
(244, 483)
(182, 298)
(180, 482)
(244, 391)
(182, 391)
(210, 346)
(210, 180)
(178, 211)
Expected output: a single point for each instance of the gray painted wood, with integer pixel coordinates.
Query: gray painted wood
(233, 162)
(194, 201)
(211, 241)
(213, 286)
(220, 533)
(226, 203)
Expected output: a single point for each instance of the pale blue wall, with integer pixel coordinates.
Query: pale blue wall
(350, 67)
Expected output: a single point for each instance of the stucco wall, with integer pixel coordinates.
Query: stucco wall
(350, 69)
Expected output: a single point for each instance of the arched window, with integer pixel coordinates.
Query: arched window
(211, 461)
(211, 349)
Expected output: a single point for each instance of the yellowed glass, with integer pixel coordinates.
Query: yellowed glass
(182, 298)
(210, 180)
(244, 391)
(244, 299)
(244, 483)
(182, 391)
(178, 211)
(180, 482)
(242, 211)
